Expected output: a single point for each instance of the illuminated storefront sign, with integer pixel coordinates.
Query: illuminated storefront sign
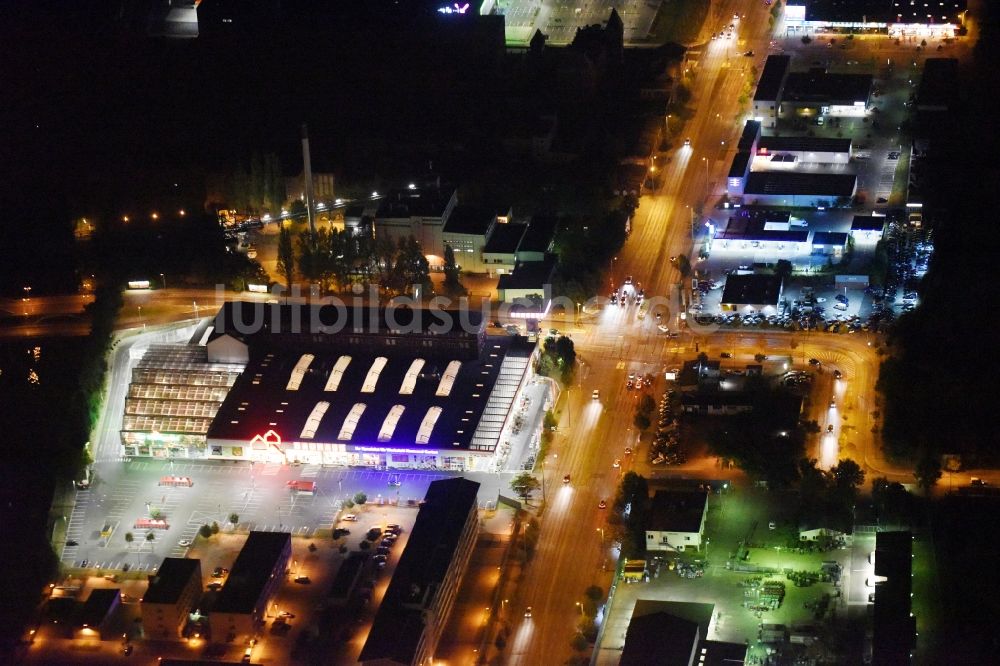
(386, 449)
(454, 9)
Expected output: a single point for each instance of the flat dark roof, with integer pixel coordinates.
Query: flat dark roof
(659, 638)
(772, 78)
(754, 289)
(251, 571)
(677, 510)
(529, 275)
(430, 202)
(718, 653)
(471, 220)
(817, 86)
(246, 320)
(805, 144)
(260, 400)
(868, 223)
(893, 628)
(749, 224)
(170, 579)
(829, 238)
(751, 132)
(741, 160)
(538, 237)
(347, 575)
(820, 184)
(100, 602)
(399, 624)
(938, 84)
(505, 238)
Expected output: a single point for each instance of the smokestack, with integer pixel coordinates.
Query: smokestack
(307, 175)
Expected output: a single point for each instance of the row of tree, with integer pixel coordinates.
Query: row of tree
(334, 259)
(258, 189)
(558, 359)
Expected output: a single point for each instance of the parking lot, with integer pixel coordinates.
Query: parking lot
(125, 492)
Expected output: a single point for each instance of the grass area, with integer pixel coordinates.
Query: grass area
(679, 21)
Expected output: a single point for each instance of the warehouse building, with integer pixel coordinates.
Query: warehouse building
(421, 594)
(762, 230)
(677, 520)
(255, 577)
(820, 93)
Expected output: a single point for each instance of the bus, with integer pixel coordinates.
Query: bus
(303, 487)
(151, 524)
(175, 481)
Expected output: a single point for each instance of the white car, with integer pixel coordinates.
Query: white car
(596, 395)
(617, 463)
(184, 543)
(351, 518)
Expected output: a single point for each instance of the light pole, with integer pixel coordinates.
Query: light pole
(580, 607)
(195, 303)
(27, 292)
(578, 306)
(164, 280)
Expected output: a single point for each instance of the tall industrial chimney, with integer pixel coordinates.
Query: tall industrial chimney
(307, 175)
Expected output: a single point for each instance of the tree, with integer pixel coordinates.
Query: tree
(349, 504)
(215, 527)
(847, 477)
(129, 538)
(594, 593)
(205, 531)
(927, 471)
(684, 266)
(150, 537)
(647, 405)
(452, 274)
(578, 643)
(783, 268)
(234, 518)
(641, 421)
(524, 484)
(806, 39)
(286, 255)
(360, 498)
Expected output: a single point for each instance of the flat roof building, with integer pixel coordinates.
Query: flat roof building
(660, 638)
(867, 228)
(942, 18)
(767, 96)
(759, 292)
(98, 614)
(894, 629)
(938, 90)
(780, 188)
(420, 596)
(529, 286)
(774, 151)
(257, 573)
(500, 251)
(676, 520)
(172, 593)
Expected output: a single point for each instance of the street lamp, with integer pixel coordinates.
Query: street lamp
(195, 303)
(164, 280)
(580, 606)
(27, 292)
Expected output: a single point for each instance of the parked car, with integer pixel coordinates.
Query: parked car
(351, 518)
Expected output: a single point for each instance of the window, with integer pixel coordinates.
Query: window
(427, 425)
(390, 423)
(448, 379)
(373, 374)
(410, 380)
(351, 421)
(299, 371)
(312, 423)
(337, 373)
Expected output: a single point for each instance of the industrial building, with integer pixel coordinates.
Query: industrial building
(170, 597)
(257, 573)
(817, 92)
(98, 614)
(420, 596)
(676, 520)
